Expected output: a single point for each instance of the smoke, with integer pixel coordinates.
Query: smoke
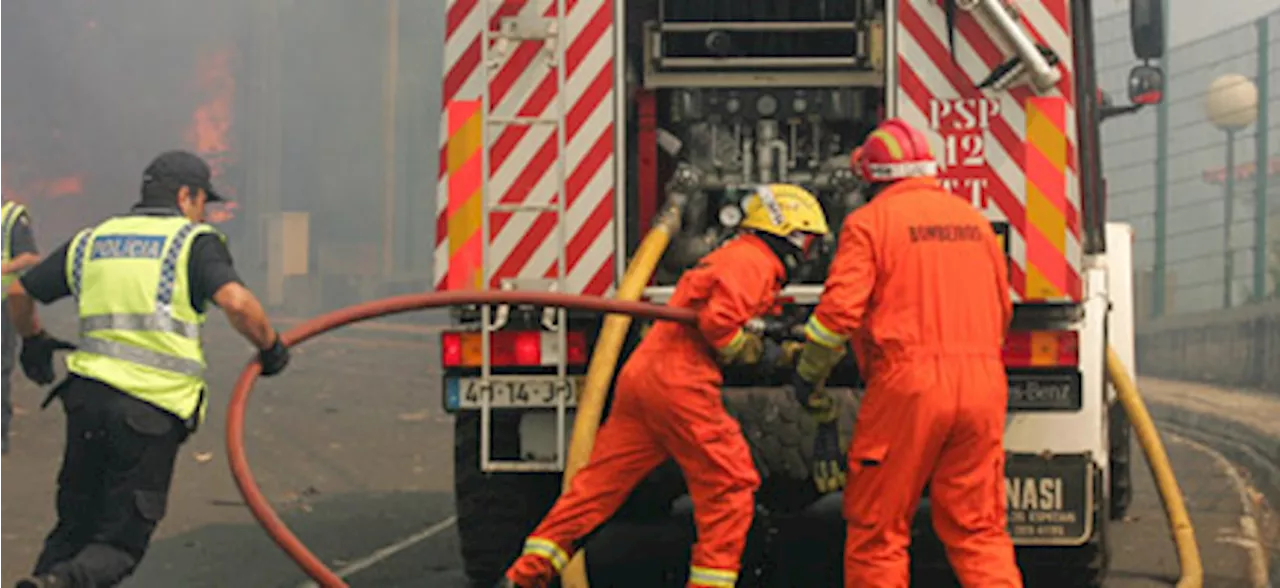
(284, 98)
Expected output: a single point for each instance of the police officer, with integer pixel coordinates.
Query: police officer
(19, 254)
(142, 283)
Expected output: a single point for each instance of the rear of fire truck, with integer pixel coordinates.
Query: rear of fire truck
(568, 124)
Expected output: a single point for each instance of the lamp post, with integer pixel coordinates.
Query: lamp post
(1231, 104)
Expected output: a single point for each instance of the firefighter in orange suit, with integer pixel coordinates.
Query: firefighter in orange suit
(921, 287)
(667, 402)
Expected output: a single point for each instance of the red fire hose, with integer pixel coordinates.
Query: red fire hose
(253, 497)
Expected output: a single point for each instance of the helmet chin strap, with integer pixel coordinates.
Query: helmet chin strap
(786, 250)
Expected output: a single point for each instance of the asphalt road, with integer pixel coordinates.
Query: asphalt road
(352, 446)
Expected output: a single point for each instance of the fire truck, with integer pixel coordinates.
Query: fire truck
(567, 125)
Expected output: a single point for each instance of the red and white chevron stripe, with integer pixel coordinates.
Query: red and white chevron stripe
(926, 72)
(523, 159)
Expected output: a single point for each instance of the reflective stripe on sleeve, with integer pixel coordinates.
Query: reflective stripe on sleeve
(735, 344)
(820, 334)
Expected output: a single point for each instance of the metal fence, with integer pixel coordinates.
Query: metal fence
(1197, 176)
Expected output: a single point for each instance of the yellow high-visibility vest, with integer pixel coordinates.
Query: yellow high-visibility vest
(138, 330)
(10, 212)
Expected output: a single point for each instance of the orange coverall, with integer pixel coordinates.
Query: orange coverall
(667, 404)
(921, 287)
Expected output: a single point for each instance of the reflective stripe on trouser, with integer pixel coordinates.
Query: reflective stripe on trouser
(652, 420)
(712, 578)
(912, 430)
(547, 549)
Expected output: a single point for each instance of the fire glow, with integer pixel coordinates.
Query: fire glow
(44, 189)
(208, 133)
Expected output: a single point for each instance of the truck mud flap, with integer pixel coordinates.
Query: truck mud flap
(1050, 498)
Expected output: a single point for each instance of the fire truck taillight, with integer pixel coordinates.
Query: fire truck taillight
(511, 349)
(1029, 349)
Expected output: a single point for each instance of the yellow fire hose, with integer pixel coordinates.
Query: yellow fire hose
(604, 358)
(1184, 536)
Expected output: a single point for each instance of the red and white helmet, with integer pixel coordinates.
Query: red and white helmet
(894, 151)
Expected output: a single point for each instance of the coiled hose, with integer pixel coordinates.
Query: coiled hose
(253, 497)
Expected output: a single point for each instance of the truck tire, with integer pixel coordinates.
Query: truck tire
(495, 511)
(781, 435)
(1120, 460)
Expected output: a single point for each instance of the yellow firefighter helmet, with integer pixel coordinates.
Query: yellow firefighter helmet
(784, 210)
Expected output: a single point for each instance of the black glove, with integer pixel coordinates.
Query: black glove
(37, 356)
(814, 398)
(829, 464)
(274, 358)
(771, 354)
(775, 356)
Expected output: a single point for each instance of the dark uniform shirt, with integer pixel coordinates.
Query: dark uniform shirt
(22, 239)
(209, 267)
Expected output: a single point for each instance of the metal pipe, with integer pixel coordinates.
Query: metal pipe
(1229, 218)
(766, 134)
(783, 156)
(390, 88)
(1043, 75)
(768, 26)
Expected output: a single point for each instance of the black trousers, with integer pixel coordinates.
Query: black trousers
(9, 351)
(114, 484)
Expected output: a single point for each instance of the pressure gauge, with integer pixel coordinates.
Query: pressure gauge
(766, 105)
(730, 215)
(799, 104)
(732, 105)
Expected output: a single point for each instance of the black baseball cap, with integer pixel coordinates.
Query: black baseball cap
(182, 168)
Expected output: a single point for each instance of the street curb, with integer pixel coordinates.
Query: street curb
(1257, 450)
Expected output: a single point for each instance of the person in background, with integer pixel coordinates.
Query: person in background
(19, 254)
(142, 283)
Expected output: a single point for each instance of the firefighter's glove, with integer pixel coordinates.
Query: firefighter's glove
(778, 356)
(37, 356)
(274, 358)
(788, 352)
(746, 348)
(816, 361)
(815, 399)
(828, 466)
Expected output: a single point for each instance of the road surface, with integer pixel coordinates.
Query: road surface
(353, 447)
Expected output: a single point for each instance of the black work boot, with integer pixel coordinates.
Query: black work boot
(45, 581)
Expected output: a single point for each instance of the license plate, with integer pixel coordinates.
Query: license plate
(511, 392)
(1050, 501)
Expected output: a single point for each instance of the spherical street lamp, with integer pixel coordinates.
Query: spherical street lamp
(1231, 104)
